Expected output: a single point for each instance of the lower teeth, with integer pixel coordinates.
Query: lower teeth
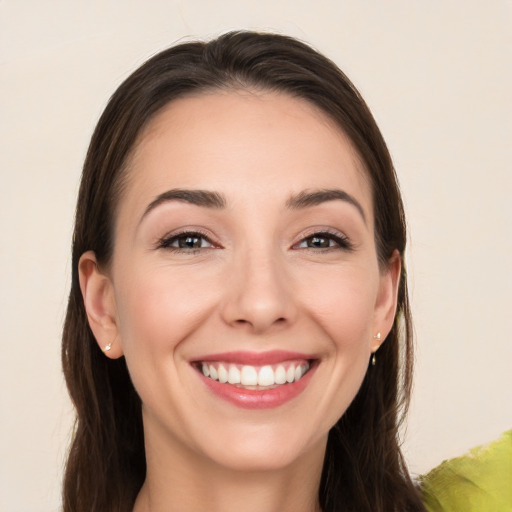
(241, 386)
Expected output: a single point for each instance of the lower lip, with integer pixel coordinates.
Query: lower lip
(258, 398)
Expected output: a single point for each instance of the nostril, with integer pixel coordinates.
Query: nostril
(243, 322)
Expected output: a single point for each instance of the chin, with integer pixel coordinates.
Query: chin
(263, 451)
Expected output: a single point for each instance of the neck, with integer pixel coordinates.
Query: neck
(180, 480)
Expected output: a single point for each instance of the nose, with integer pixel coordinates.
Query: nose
(259, 295)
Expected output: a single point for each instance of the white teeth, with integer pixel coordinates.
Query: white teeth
(248, 376)
(234, 375)
(213, 372)
(223, 374)
(280, 376)
(266, 376)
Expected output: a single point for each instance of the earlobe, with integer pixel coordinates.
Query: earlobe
(385, 307)
(99, 301)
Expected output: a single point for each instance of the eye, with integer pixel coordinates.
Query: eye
(188, 241)
(325, 241)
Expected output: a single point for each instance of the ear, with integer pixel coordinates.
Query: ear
(99, 300)
(385, 306)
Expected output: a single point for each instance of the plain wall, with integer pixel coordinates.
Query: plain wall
(437, 76)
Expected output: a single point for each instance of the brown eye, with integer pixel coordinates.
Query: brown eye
(319, 242)
(189, 242)
(185, 242)
(325, 241)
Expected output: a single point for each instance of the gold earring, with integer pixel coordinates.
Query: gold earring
(376, 337)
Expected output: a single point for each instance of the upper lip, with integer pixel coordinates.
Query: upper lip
(254, 358)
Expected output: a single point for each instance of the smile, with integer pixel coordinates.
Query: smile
(256, 380)
(255, 377)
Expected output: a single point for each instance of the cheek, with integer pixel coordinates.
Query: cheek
(342, 302)
(160, 307)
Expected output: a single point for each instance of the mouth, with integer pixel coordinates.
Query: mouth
(255, 377)
(256, 381)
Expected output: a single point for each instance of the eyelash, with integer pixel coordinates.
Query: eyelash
(341, 242)
(167, 241)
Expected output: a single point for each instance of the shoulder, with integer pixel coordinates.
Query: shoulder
(480, 481)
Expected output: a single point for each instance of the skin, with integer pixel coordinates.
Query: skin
(254, 285)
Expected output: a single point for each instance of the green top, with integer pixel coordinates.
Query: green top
(480, 481)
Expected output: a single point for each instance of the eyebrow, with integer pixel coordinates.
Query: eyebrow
(203, 198)
(215, 200)
(307, 199)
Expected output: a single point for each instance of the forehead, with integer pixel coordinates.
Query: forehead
(243, 143)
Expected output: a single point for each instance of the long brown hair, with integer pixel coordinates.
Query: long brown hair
(363, 469)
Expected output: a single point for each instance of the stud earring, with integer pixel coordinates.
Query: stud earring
(108, 347)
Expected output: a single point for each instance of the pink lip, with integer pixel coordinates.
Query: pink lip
(256, 398)
(254, 358)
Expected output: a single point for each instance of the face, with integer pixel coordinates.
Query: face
(244, 289)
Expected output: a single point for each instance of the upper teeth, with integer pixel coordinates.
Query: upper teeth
(255, 375)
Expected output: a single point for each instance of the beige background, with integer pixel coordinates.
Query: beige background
(438, 77)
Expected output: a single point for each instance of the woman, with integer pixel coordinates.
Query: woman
(237, 264)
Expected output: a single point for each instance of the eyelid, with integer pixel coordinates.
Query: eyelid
(165, 241)
(343, 241)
